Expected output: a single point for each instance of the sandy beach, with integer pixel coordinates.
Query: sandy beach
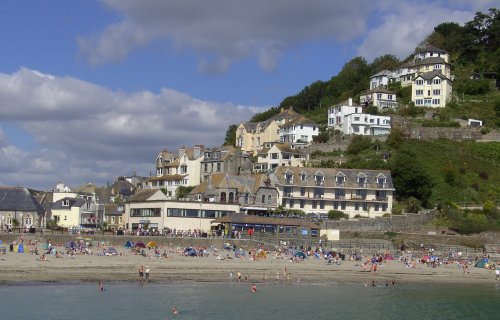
(18, 268)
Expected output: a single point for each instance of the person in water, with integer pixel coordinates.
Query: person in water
(101, 286)
(174, 310)
(254, 288)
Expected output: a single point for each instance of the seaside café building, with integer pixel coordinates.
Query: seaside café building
(280, 227)
(151, 209)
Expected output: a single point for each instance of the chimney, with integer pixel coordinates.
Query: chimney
(196, 151)
(350, 101)
(182, 150)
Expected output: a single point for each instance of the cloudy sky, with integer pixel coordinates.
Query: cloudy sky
(90, 90)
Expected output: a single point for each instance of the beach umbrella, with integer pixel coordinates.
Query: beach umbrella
(140, 244)
(152, 244)
(111, 251)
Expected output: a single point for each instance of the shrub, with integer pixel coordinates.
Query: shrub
(337, 215)
(483, 175)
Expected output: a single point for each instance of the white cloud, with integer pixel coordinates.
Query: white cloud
(222, 31)
(88, 132)
(404, 24)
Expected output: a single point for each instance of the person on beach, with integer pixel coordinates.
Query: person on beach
(230, 276)
(497, 272)
(393, 282)
(141, 274)
(147, 273)
(239, 276)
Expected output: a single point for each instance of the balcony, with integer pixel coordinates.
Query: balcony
(288, 181)
(288, 195)
(319, 183)
(381, 198)
(340, 183)
(362, 184)
(319, 196)
(382, 185)
(358, 197)
(339, 197)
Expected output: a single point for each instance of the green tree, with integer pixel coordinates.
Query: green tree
(337, 215)
(359, 144)
(182, 192)
(230, 139)
(410, 178)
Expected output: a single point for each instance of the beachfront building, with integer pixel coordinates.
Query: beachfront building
(19, 206)
(380, 79)
(431, 89)
(251, 137)
(173, 171)
(80, 212)
(280, 154)
(150, 209)
(349, 118)
(113, 216)
(379, 97)
(356, 192)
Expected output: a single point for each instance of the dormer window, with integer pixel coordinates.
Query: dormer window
(65, 203)
(288, 178)
(340, 179)
(319, 179)
(303, 177)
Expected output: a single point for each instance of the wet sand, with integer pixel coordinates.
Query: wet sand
(18, 268)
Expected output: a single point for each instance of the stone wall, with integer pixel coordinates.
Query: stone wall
(407, 222)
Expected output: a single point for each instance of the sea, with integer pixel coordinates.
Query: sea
(236, 301)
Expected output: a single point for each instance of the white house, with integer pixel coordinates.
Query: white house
(172, 172)
(380, 79)
(379, 97)
(350, 119)
(299, 131)
(432, 52)
(431, 89)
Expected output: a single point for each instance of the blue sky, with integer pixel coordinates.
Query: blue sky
(90, 90)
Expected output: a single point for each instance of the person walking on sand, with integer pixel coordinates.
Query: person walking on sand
(147, 273)
(141, 274)
(239, 276)
(497, 272)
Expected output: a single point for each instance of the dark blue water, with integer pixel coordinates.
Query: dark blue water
(234, 301)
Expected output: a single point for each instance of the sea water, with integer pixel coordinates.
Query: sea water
(236, 301)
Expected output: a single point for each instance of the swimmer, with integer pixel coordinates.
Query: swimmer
(101, 286)
(373, 284)
(174, 310)
(254, 288)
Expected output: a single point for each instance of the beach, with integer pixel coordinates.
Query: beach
(18, 268)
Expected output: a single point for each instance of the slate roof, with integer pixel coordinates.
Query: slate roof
(330, 174)
(299, 120)
(73, 202)
(431, 49)
(431, 75)
(18, 199)
(251, 219)
(143, 195)
(111, 209)
(429, 61)
(382, 73)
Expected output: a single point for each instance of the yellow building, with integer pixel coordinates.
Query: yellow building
(431, 89)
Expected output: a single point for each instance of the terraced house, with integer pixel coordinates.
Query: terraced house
(367, 193)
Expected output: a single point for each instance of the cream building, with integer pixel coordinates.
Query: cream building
(367, 193)
(431, 89)
(151, 209)
(172, 171)
(252, 137)
(279, 154)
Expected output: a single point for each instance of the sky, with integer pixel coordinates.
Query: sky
(92, 90)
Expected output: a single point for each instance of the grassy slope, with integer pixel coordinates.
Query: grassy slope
(466, 160)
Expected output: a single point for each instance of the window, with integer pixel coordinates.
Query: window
(291, 203)
(303, 176)
(384, 207)
(314, 204)
(419, 102)
(419, 92)
(302, 192)
(65, 203)
(274, 156)
(322, 204)
(436, 101)
(436, 92)
(419, 82)
(376, 206)
(218, 167)
(183, 169)
(269, 199)
(263, 199)
(205, 167)
(302, 203)
(356, 206)
(145, 212)
(342, 205)
(335, 205)
(379, 96)
(438, 66)
(436, 81)
(389, 97)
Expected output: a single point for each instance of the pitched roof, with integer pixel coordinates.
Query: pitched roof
(18, 199)
(111, 209)
(299, 120)
(382, 73)
(170, 177)
(431, 49)
(330, 174)
(285, 147)
(251, 219)
(431, 75)
(143, 195)
(73, 202)
(429, 61)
